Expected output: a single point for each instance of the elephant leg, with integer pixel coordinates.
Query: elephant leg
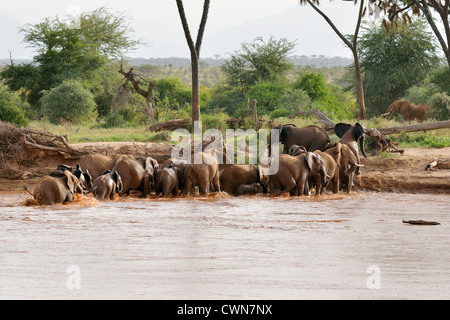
(318, 184)
(289, 185)
(145, 186)
(335, 182)
(203, 188)
(216, 183)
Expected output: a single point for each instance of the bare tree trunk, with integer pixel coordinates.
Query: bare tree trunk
(362, 106)
(361, 102)
(195, 90)
(147, 94)
(195, 54)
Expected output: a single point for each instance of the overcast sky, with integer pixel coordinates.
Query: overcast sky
(157, 23)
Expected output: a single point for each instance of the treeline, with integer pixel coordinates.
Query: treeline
(74, 77)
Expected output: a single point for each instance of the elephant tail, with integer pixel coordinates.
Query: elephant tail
(26, 189)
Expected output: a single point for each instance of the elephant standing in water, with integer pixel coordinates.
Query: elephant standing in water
(408, 110)
(59, 189)
(107, 185)
(202, 174)
(294, 172)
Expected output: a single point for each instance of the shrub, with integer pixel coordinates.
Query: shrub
(441, 106)
(70, 102)
(11, 108)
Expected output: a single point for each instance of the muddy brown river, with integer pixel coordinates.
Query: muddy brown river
(220, 247)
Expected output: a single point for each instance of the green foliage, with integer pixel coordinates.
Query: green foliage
(267, 94)
(391, 63)
(290, 101)
(77, 49)
(441, 106)
(441, 78)
(258, 61)
(171, 92)
(11, 107)
(326, 97)
(69, 102)
(313, 84)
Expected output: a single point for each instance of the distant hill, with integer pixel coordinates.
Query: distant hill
(317, 61)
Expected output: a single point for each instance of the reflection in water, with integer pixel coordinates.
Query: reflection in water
(223, 247)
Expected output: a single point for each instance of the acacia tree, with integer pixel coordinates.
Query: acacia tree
(194, 48)
(403, 10)
(392, 63)
(352, 46)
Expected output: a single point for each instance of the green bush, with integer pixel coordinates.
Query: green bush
(441, 106)
(70, 102)
(11, 108)
(313, 84)
(266, 94)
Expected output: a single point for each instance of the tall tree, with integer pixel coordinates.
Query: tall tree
(195, 54)
(351, 44)
(392, 63)
(403, 10)
(258, 61)
(65, 51)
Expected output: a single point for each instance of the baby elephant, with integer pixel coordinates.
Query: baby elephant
(253, 188)
(52, 190)
(107, 185)
(167, 181)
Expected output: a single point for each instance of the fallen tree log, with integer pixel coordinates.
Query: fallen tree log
(416, 127)
(171, 125)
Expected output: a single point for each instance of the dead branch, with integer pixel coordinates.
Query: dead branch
(421, 222)
(130, 76)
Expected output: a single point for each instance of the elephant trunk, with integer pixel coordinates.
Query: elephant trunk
(361, 145)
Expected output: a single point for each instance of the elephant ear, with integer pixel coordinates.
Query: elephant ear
(69, 181)
(309, 160)
(341, 128)
(119, 185)
(359, 131)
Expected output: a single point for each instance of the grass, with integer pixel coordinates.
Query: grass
(94, 133)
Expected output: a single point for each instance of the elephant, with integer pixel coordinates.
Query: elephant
(151, 166)
(167, 181)
(182, 168)
(253, 188)
(332, 171)
(202, 174)
(60, 189)
(311, 137)
(107, 185)
(350, 135)
(234, 175)
(98, 163)
(133, 175)
(293, 174)
(346, 162)
(296, 150)
(84, 177)
(408, 110)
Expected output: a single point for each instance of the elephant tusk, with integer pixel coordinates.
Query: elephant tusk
(359, 165)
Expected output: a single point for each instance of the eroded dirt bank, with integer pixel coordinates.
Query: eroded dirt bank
(380, 173)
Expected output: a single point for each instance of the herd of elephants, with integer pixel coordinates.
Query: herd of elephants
(308, 162)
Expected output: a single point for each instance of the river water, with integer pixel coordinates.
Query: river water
(221, 247)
